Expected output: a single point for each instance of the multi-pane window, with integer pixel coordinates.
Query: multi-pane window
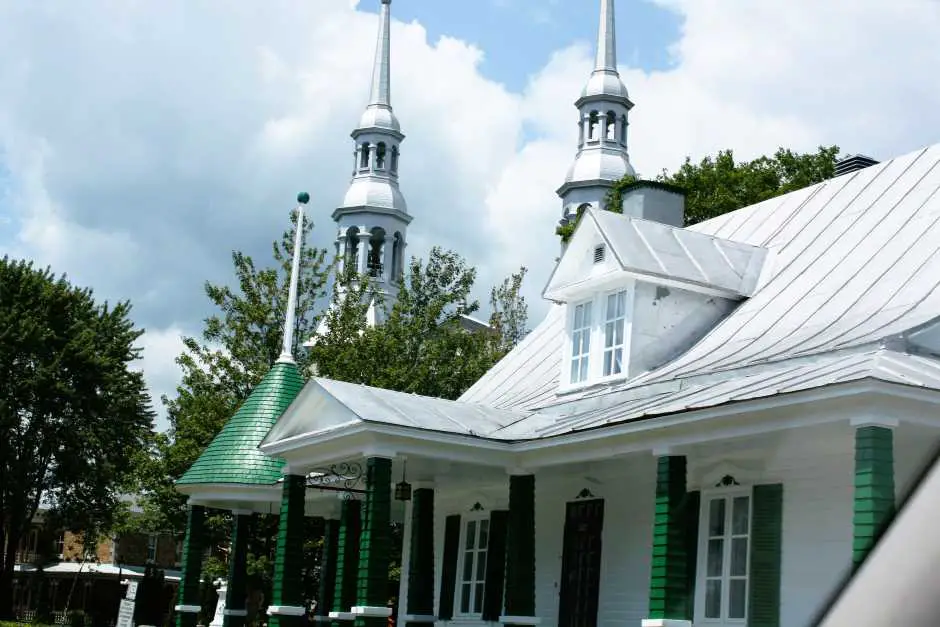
(614, 318)
(473, 568)
(580, 342)
(727, 548)
(60, 544)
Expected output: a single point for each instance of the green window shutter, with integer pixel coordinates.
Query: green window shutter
(449, 567)
(693, 501)
(766, 544)
(495, 566)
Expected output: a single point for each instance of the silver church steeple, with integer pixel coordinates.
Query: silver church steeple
(602, 158)
(373, 219)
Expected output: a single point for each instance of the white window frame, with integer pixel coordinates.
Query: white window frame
(595, 355)
(589, 330)
(707, 496)
(477, 518)
(602, 322)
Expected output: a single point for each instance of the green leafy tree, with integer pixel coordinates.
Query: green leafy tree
(719, 184)
(414, 349)
(510, 313)
(73, 412)
(237, 348)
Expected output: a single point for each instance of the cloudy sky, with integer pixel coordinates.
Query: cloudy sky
(142, 141)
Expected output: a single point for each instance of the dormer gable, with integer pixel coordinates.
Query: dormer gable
(653, 252)
(638, 293)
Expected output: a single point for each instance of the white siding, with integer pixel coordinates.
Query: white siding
(815, 464)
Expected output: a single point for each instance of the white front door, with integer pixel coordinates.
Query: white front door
(723, 557)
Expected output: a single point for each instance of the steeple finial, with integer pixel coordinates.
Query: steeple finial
(381, 75)
(287, 348)
(606, 39)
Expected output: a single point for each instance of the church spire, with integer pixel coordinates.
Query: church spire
(602, 158)
(290, 319)
(606, 60)
(372, 221)
(381, 71)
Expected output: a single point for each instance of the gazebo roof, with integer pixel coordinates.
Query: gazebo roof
(233, 456)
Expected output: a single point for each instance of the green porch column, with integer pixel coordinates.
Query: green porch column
(375, 546)
(420, 606)
(519, 600)
(188, 603)
(236, 601)
(286, 609)
(347, 561)
(327, 570)
(874, 488)
(669, 598)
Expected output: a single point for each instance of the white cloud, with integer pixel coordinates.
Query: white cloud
(160, 350)
(145, 141)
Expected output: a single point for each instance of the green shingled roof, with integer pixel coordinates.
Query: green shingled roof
(233, 456)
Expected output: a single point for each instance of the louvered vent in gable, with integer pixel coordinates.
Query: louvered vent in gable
(599, 253)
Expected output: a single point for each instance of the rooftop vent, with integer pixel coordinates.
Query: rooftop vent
(599, 254)
(853, 163)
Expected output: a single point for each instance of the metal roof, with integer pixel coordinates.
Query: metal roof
(748, 384)
(853, 264)
(852, 260)
(325, 405)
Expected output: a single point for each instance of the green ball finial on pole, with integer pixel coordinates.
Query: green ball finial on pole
(303, 198)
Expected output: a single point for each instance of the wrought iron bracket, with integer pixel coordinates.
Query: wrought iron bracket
(343, 477)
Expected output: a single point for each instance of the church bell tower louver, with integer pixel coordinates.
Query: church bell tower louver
(602, 158)
(372, 221)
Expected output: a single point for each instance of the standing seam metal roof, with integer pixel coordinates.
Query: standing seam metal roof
(855, 259)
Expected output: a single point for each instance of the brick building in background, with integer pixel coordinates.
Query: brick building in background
(77, 575)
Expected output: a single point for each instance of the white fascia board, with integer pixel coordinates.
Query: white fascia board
(640, 434)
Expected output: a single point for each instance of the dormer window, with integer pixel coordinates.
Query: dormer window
(581, 342)
(602, 357)
(615, 318)
(599, 252)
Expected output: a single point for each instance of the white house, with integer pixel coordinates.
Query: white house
(711, 425)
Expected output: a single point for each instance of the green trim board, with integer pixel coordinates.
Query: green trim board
(237, 596)
(520, 547)
(669, 580)
(188, 593)
(347, 557)
(874, 502)
(233, 455)
(375, 544)
(287, 588)
(328, 567)
(421, 555)
(445, 610)
(495, 566)
(766, 553)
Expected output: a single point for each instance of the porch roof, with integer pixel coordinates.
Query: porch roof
(325, 405)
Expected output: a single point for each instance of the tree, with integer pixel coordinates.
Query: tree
(237, 348)
(422, 333)
(719, 184)
(510, 312)
(73, 414)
